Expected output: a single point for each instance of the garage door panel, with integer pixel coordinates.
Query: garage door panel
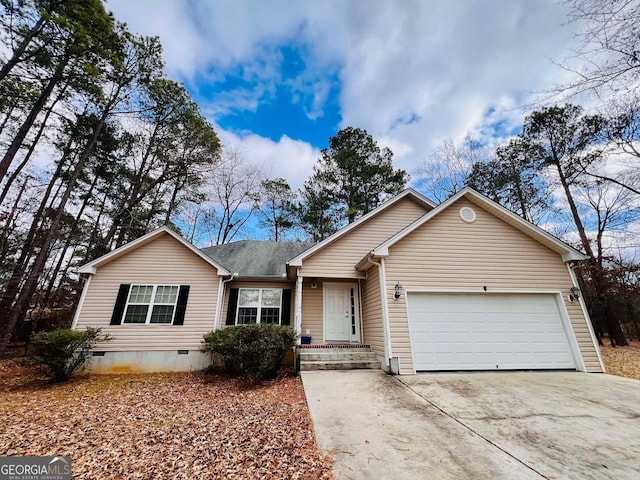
(487, 332)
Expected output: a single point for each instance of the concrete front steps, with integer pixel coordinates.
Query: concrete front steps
(336, 357)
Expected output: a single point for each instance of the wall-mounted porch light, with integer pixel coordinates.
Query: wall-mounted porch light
(314, 282)
(398, 291)
(575, 294)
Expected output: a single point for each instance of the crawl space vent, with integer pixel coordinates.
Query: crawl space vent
(467, 214)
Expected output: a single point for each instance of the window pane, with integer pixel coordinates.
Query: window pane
(166, 294)
(162, 314)
(140, 294)
(136, 314)
(247, 315)
(248, 297)
(270, 315)
(271, 297)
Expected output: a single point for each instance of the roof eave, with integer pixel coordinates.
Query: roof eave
(92, 266)
(87, 268)
(571, 256)
(297, 260)
(261, 278)
(567, 252)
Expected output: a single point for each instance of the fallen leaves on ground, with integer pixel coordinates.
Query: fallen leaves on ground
(181, 426)
(622, 361)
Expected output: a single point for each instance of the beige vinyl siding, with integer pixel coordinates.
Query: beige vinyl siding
(372, 325)
(163, 261)
(254, 284)
(338, 259)
(312, 318)
(447, 253)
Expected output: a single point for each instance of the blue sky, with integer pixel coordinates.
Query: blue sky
(278, 78)
(282, 110)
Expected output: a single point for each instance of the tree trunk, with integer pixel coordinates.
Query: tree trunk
(520, 194)
(67, 243)
(616, 335)
(27, 291)
(7, 118)
(17, 141)
(19, 51)
(95, 232)
(584, 240)
(12, 286)
(27, 157)
(7, 230)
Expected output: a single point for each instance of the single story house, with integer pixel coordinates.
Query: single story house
(464, 285)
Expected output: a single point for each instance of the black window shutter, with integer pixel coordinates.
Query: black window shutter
(286, 308)
(121, 302)
(233, 306)
(181, 306)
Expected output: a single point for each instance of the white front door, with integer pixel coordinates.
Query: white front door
(341, 312)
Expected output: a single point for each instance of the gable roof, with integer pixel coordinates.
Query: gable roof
(408, 193)
(567, 252)
(252, 258)
(92, 266)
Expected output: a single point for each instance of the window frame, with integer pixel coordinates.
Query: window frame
(260, 306)
(151, 304)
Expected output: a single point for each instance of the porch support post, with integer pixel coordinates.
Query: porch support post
(298, 306)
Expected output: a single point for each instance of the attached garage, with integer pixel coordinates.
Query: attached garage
(489, 331)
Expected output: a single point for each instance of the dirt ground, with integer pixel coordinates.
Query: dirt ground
(622, 361)
(182, 426)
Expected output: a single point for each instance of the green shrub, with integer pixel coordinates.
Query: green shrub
(64, 350)
(253, 350)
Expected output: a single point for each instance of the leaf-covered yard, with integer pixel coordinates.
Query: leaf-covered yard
(162, 425)
(622, 361)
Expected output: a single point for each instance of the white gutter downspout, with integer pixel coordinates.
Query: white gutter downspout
(220, 302)
(385, 309)
(574, 280)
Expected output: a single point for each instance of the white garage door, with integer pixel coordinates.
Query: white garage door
(487, 332)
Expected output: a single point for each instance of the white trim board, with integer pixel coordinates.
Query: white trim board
(587, 318)
(92, 266)
(567, 252)
(83, 295)
(297, 261)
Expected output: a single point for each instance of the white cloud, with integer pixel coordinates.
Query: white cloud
(412, 73)
(286, 158)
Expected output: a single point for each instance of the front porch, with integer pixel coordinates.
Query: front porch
(328, 311)
(340, 323)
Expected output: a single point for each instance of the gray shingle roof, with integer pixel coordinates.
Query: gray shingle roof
(253, 258)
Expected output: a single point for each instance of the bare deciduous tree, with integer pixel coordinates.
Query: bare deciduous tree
(608, 60)
(231, 192)
(447, 169)
(612, 209)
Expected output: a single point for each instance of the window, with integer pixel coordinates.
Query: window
(151, 304)
(259, 305)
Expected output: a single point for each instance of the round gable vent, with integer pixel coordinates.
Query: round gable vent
(467, 214)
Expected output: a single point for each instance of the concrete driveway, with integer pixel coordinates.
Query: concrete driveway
(476, 426)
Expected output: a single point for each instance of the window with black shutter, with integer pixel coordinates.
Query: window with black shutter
(150, 304)
(259, 305)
